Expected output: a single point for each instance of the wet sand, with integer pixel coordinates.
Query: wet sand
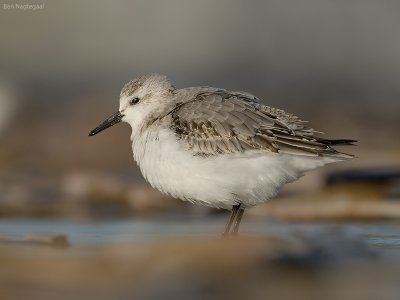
(186, 259)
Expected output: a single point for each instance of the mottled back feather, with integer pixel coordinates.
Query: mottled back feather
(220, 122)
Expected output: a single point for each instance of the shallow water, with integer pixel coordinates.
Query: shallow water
(383, 237)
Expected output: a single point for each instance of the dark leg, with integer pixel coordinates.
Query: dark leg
(237, 223)
(235, 209)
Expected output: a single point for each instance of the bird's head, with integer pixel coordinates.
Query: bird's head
(141, 101)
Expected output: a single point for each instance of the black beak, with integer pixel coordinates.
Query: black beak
(112, 120)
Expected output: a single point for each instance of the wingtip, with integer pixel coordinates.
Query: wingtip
(337, 142)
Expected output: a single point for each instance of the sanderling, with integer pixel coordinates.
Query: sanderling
(215, 147)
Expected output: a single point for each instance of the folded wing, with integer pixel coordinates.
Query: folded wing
(221, 122)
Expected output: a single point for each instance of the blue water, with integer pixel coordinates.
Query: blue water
(383, 236)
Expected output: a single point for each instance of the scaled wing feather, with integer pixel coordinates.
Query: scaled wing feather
(220, 122)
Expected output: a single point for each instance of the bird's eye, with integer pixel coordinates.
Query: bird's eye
(134, 100)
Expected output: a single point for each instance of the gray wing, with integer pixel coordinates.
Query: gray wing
(220, 122)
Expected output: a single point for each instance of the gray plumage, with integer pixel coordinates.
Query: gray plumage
(215, 147)
(216, 121)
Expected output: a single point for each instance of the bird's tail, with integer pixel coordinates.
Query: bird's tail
(338, 142)
(334, 154)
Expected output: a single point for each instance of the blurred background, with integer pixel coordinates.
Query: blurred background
(62, 66)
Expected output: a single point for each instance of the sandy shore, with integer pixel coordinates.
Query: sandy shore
(331, 266)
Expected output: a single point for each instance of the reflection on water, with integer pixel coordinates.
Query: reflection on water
(383, 237)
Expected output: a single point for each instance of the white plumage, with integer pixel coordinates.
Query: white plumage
(214, 147)
(218, 181)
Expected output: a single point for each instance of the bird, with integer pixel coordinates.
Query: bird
(214, 147)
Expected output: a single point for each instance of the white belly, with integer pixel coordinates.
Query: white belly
(217, 181)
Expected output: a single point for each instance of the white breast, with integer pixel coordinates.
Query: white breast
(217, 181)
